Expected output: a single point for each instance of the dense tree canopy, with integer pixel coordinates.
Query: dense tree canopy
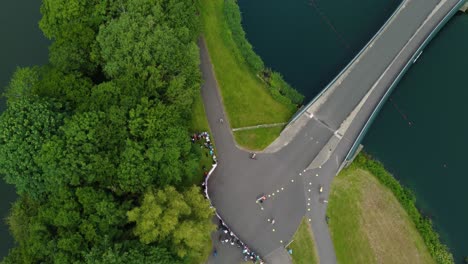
(96, 143)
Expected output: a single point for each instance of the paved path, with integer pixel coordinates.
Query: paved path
(312, 149)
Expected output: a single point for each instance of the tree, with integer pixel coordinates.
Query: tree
(142, 43)
(130, 252)
(73, 26)
(181, 218)
(78, 154)
(22, 84)
(25, 126)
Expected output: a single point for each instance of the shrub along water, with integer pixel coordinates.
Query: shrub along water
(438, 251)
(279, 89)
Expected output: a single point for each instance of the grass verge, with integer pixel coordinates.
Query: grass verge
(368, 223)
(199, 123)
(303, 246)
(246, 99)
(257, 139)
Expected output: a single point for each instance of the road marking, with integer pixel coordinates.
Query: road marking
(292, 180)
(308, 199)
(309, 190)
(320, 167)
(308, 204)
(282, 188)
(310, 219)
(273, 230)
(310, 183)
(281, 241)
(273, 194)
(308, 209)
(316, 175)
(269, 196)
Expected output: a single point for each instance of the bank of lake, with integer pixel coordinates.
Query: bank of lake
(22, 45)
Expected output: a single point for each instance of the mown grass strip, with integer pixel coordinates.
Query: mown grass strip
(303, 245)
(257, 139)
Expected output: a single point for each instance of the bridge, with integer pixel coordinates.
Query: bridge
(317, 143)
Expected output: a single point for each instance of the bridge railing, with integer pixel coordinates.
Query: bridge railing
(410, 62)
(303, 109)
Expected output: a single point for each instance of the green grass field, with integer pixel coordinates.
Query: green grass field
(368, 224)
(303, 246)
(246, 98)
(257, 139)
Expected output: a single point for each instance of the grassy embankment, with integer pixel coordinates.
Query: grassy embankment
(374, 220)
(303, 246)
(246, 98)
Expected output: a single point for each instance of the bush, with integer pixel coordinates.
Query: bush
(234, 22)
(438, 251)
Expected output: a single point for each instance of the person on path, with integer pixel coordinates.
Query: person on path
(221, 120)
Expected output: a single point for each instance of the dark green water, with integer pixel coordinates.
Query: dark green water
(309, 47)
(22, 44)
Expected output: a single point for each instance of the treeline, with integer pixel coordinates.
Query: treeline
(96, 142)
(279, 89)
(438, 251)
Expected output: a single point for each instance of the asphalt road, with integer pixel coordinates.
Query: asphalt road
(284, 176)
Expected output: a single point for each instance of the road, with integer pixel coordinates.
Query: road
(312, 149)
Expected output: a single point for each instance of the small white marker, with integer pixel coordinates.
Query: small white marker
(273, 194)
(309, 190)
(282, 188)
(281, 241)
(269, 196)
(308, 199)
(277, 190)
(292, 180)
(273, 230)
(308, 209)
(310, 219)
(308, 204)
(320, 167)
(304, 170)
(316, 175)
(300, 174)
(310, 183)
